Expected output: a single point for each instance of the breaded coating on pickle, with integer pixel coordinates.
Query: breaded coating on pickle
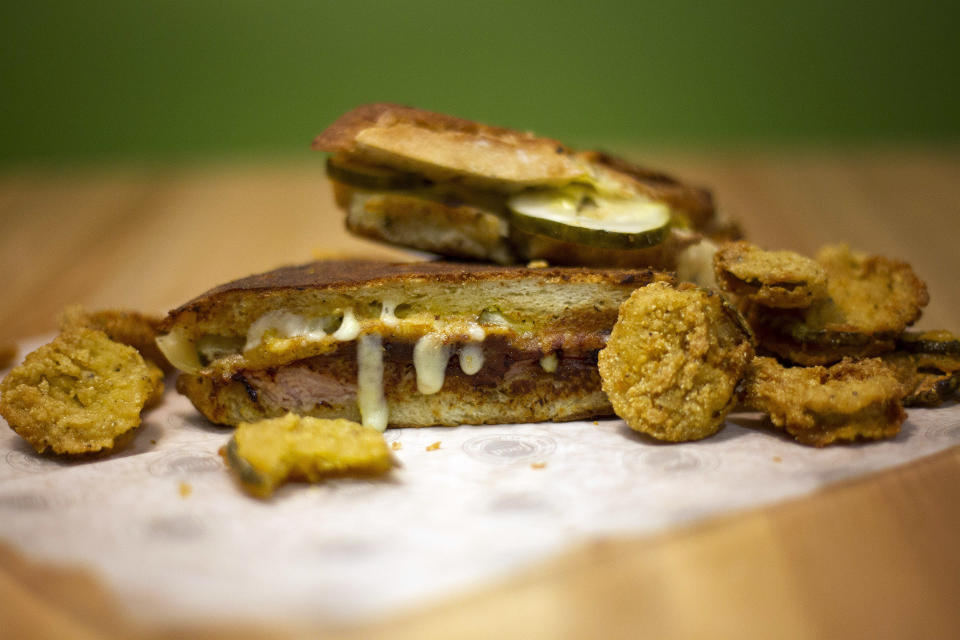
(819, 406)
(871, 300)
(779, 279)
(126, 327)
(928, 365)
(265, 454)
(157, 387)
(673, 361)
(78, 393)
(870, 294)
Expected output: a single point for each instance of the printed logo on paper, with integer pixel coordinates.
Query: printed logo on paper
(502, 448)
(184, 463)
(669, 460)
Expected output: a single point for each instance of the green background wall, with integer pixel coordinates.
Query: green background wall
(122, 79)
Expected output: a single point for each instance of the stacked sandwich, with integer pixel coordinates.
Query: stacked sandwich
(473, 338)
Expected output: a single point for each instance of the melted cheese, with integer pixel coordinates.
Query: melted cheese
(695, 264)
(180, 351)
(471, 358)
(388, 310)
(371, 400)
(471, 354)
(549, 362)
(476, 332)
(349, 328)
(430, 357)
(490, 316)
(284, 324)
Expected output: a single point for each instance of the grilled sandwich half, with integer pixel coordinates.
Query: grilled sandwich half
(410, 344)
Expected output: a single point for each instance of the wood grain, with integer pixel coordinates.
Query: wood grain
(873, 558)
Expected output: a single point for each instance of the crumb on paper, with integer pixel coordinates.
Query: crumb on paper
(434, 446)
(8, 353)
(185, 489)
(396, 445)
(538, 465)
(777, 459)
(596, 423)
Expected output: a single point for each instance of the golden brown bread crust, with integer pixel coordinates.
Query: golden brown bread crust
(337, 276)
(343, 274)
(342, 134)
(446, 148)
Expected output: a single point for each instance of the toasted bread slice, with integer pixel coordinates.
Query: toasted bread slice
(448, 228)
(445, 148)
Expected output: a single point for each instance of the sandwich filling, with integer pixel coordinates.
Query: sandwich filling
(292, 362)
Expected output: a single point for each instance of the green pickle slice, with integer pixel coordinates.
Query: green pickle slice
(371, 177)
(265, 454)
(581, 216)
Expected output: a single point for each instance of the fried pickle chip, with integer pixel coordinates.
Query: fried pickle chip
(870, 294)
(126, 327)
(673, 361)
(871, 300)
(819, 405)
(779, 279)
(265, 454)
(928, 365)
(155, 375)
(78, 393)
(936, 342)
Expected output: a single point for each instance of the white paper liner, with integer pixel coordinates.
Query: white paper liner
(491, 500)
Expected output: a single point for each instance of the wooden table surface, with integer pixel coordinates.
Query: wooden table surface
(876, 557)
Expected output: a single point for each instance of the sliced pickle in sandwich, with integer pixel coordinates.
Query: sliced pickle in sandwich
(582, 216)
(371, 177)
